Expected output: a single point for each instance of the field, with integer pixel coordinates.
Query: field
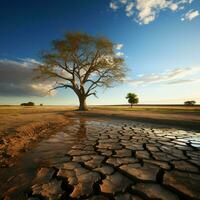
(173, 115)
(36, 141)
(19, 126)
(13, 117)
(153, 108)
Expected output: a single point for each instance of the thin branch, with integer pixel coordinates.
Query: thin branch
(93, 93)
(88, 72)
(61, 85)
(95, 83)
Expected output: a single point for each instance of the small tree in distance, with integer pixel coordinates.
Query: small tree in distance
(189, 103)
(82, 63)
(132, 98)
(28, 104)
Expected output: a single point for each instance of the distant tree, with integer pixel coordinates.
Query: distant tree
(190, 103)
(28, 104)
(132, 98)
(82, 63)
(41, 104)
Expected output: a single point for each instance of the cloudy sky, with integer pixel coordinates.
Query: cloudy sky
(159, 39)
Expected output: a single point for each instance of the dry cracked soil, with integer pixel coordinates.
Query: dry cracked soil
(108, 159)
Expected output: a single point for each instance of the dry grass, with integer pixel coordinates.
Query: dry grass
(15, 116)
(20, 126)
(177, 113)
(151, 108)
(173, 115)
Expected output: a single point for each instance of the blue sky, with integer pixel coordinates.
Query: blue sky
(160, 42)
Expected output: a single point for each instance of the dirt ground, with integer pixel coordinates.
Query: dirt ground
(21, 126)
(106, 158)
(15, 116)
(44, 136)
(187, 117)
(154, 108)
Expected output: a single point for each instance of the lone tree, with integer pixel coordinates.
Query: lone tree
(82, 63)
(132, 98)
(190, 103)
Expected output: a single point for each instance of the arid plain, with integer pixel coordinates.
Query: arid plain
(108, 152)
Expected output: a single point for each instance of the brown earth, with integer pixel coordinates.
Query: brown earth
(106, 158)
(21, 126)
(181, 119)
(92, 155)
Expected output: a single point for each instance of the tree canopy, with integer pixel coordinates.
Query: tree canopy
(82, 62)
(28, 104)
(132, 98)
(190, 103)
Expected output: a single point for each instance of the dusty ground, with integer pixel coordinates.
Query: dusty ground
(179, 116)
(99, 154)
(107, 159)
(21, 126)
(155, 108)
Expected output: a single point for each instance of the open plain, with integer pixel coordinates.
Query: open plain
(53, 152)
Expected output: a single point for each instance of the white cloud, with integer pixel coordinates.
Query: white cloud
(30, 61)
(174, 76)
(113, 6)
(185, 1)
(16, 79)
(173, 6)
(119, 46)
(146, 11)
(190, 15)
(123, 1)
(119, 54)
(43, 89)
(129, 9)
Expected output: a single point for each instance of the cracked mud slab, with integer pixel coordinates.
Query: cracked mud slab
(114, 159)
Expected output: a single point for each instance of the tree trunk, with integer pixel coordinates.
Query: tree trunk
(82, 104)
